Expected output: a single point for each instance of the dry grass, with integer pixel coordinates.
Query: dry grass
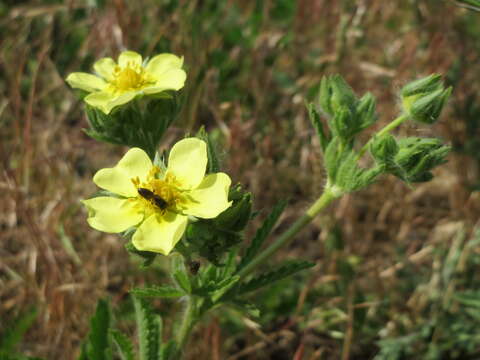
(50, 258)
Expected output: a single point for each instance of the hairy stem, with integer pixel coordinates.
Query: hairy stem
(327, 197)
(188, 321)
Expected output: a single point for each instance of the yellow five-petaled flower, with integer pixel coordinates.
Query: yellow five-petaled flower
(158, 202)
(119, 83)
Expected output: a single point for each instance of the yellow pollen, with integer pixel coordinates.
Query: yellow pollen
(130, 77)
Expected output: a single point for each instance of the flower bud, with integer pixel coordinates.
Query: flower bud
(335, 95)
(366, 114)
(424, 99)
(423, 85)
(417, 157)
(427, 109)
(384, 148)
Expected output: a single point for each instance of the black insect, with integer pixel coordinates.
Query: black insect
(193, 266)
(156, 199)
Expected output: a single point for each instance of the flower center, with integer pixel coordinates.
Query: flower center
(159, 195)
(131, 77)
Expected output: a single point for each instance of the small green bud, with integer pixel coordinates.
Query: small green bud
(340, 123)
(335, 95)
(423, 85)
(417, 157)
(384, 148)
(366, 113)
(342, 94)
(427, 109)
(425, 98)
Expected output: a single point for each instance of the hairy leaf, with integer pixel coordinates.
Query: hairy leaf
(157, 291)
(124, 345)
(262, 234)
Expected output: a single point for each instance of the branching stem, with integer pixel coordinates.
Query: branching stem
(323, 201)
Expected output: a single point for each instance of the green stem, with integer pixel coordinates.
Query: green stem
(395, 123)
(189, 319)
(327, 197)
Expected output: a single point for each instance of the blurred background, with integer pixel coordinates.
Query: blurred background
(397, 274)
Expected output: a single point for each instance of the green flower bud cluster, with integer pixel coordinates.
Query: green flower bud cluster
(410, 159)
(348, 115)
(425, 98)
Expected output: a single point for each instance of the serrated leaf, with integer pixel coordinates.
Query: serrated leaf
(225, 286)
(262, 234)
(124, 345)
(149, 328)
(97, 347)
(157, 291)
(265, 279)
(14, 335)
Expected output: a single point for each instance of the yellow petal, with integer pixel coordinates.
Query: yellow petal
(112, 215)
(173, 79)
(105, 68)
(107, 101)
(84, 81)
(118, 180)
(129, 58)
(160, 233)
(163, 62)
(211, 197)
(188, 162)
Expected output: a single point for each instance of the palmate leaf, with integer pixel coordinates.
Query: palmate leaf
(149, 327)
(262, 234)
(124, 345)
(283, 271)
(157, 291)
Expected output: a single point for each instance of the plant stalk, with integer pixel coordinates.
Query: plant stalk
(188, 321)
(323, 201)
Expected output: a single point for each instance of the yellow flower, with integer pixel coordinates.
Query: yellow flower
(158, 201)
(119, 83)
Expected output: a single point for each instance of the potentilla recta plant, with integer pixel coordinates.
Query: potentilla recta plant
(184, 207)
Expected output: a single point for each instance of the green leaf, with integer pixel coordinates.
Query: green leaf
(149, 330)
(180, 273)
(227, 285)
(331, 158)
(262, 234)
(19, 327)
(98, 345)
(317, 124)
(124, 345)
(157, 291)
(265, 279)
